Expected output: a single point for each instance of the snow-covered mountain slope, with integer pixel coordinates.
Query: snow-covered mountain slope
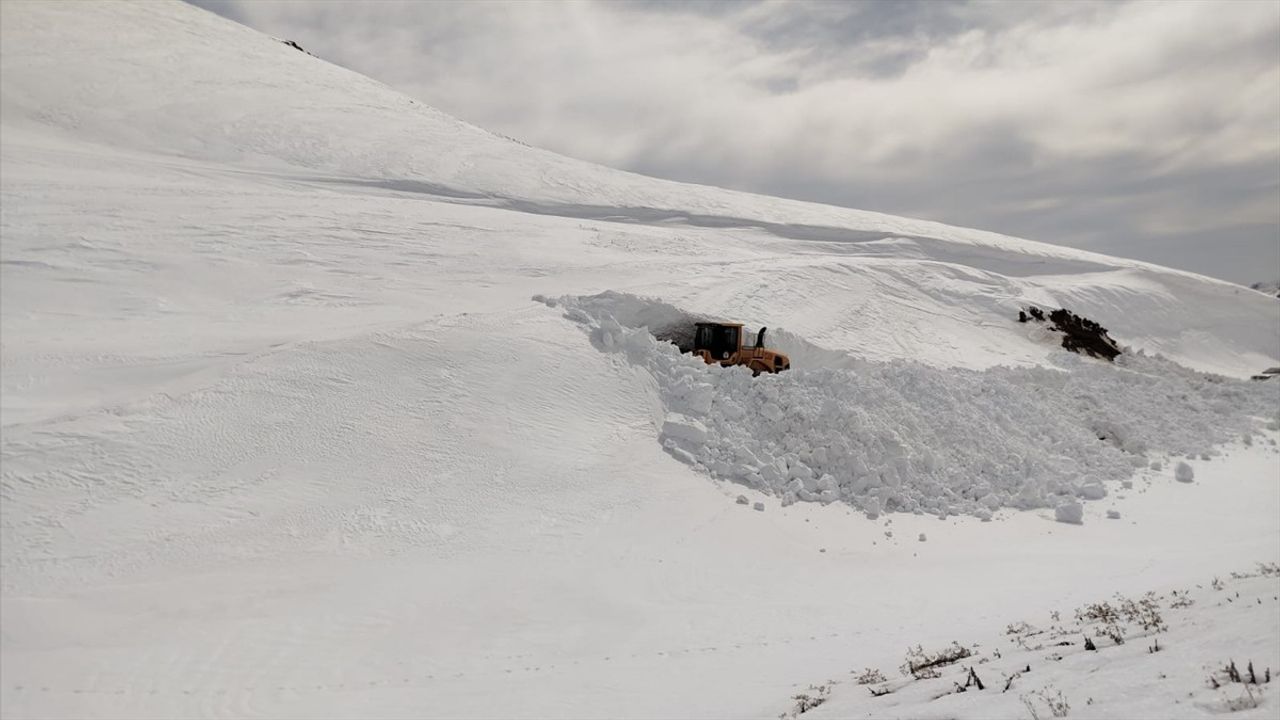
(192, 86)
(285, 434)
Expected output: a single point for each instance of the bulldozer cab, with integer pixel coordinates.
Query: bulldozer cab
(721, 341)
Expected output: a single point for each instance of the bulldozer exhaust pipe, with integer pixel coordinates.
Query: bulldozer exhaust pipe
(760, 338)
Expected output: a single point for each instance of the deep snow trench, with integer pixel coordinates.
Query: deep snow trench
(908, 437)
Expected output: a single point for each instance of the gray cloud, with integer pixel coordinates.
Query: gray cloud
(1149, 130)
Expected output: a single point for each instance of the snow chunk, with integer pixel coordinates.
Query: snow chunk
(1184, 473)
(1113, 514)
(1093, 491)
(1069, 512)
(771, 411)
(680, 454)
(686, 429)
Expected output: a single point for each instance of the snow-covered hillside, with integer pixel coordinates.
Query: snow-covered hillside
(285, 432)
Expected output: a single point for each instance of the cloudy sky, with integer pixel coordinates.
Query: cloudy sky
(1143, 129)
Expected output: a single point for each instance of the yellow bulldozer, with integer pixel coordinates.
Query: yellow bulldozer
(722, 343)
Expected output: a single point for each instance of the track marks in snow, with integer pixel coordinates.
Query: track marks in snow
(269, 458)
(239, 701)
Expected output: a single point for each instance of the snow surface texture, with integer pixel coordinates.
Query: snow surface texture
(284, 436)
(904, 436)
(1175, 661)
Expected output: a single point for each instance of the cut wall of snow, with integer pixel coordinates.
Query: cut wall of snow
(904, 436)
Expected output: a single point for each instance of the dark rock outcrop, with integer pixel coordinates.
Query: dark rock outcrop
(294, 45)
(1079, 334)
(1270, 288)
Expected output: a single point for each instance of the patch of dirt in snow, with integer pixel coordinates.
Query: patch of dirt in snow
(906, 437)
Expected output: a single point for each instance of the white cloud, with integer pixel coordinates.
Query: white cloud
(981, 114)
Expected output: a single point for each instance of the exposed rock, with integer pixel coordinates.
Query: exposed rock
(294, 45)
(1079, 334)
(1270, 288)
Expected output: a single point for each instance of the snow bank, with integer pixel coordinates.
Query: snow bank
(903, 436)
